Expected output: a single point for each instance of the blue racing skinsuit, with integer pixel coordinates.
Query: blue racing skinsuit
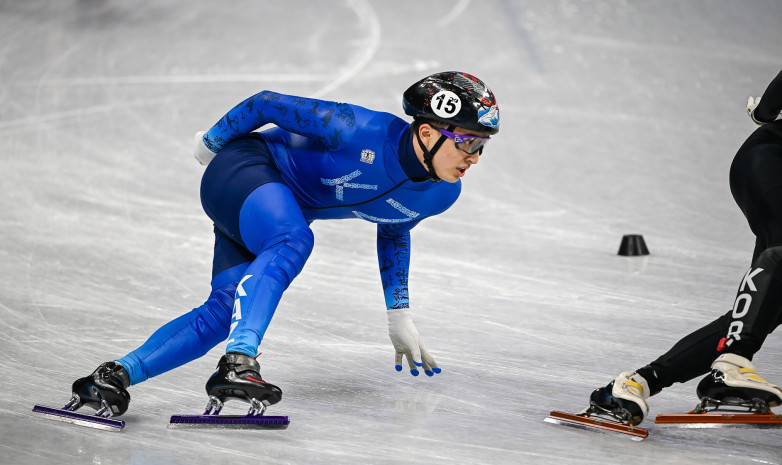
(321, 160)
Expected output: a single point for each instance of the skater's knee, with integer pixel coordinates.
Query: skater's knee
(216, 311)
(301, 242)
(290, 254)
(769, 258)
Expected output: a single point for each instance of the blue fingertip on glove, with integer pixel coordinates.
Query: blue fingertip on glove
(398, 367)
(415, 372)
(437, 369)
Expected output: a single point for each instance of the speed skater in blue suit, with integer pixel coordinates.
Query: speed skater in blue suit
(318, 160)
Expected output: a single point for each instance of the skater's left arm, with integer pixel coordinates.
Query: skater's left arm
(332, 124)
(393, 253)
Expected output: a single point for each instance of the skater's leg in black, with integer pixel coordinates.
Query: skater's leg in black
(756, 184)
(688, 358)
(757, 311)
(758, 306)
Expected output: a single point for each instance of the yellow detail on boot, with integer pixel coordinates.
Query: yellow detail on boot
(632, 385)
(754, 376)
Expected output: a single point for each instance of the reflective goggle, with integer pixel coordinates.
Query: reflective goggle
(465, 142)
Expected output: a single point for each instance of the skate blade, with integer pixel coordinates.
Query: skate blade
(81, 419)
(228, 422)
(720, 420)
(600, 425)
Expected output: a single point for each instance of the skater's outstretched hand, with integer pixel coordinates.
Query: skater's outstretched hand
(201, 151)
(407, 342)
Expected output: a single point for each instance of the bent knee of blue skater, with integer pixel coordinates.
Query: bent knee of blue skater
(218, 308)
(301, 241)
(292, 253)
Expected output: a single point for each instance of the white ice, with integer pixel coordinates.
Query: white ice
(618, 117)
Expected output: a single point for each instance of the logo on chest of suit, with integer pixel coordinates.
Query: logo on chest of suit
(367, 156)
(343, 183)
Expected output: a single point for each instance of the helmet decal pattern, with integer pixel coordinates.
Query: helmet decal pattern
(454, 98)
(489, 113)
(489, 116)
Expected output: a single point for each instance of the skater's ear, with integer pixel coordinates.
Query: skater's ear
(428, 130)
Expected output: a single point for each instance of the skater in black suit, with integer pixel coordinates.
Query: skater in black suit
(724, 347)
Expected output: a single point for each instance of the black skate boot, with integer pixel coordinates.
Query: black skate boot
(238, 377)
(105, 390)
(623, 399)
(733, 381)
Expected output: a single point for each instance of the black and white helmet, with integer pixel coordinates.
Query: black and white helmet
(455, 99)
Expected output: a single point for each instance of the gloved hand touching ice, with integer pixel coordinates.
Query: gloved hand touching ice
(407, 342)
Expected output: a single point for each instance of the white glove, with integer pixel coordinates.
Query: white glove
(407, 342)
(752, 103)
(201, 151)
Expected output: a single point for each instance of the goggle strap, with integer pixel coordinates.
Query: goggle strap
(429, 155)
(442, 140)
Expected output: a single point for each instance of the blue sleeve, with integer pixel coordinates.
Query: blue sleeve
(393, 255)
(332, 124)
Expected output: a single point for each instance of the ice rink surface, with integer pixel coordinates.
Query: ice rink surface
(618, 117)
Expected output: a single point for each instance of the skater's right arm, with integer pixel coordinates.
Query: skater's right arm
(393, 253)
(767, 109)
(332, 124)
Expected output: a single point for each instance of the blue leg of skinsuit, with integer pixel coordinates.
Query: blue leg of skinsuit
(273, 227)
(193, 334)
(240, 186)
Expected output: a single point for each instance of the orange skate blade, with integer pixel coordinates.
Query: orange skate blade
(600, 425)
(720, 420)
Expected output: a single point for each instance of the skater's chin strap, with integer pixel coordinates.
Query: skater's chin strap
(429, 154)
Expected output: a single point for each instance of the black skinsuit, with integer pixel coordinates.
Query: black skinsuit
(756, 184)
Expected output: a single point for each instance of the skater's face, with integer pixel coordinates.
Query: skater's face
(452, 159)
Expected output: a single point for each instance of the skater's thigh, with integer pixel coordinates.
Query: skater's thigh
(230, 260)
(764, 215)
(236, 171)
(756, 184)
(270, 215)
